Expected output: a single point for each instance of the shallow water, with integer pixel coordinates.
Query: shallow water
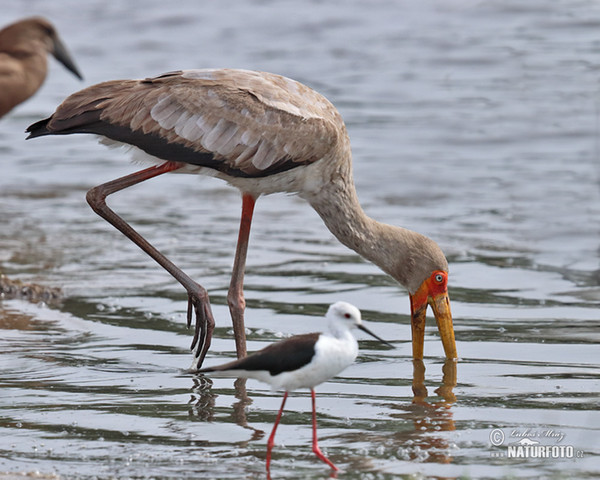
(475, 123)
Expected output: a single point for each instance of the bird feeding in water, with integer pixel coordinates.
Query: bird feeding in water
(24, 46)
(303, 361)
(262, 133)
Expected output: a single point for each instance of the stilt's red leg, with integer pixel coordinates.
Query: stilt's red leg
(316, 449)
(197, 295)
(235, 295)
(271, 441)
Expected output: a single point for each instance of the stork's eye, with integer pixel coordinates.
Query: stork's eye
(439, 278)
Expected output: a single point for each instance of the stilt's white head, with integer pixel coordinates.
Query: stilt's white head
(343, 315)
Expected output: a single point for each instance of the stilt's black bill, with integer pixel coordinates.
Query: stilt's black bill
(366, 330)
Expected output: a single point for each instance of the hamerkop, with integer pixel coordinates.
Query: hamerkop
(24, 46)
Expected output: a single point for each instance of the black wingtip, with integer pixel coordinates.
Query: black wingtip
(38, 129)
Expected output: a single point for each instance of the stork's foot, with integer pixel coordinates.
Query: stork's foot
(199, 307)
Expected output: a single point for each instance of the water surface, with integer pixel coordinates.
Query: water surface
(475, 123)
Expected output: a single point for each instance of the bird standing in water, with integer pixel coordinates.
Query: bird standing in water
(303, 361)
(262, 133)
(24, 46)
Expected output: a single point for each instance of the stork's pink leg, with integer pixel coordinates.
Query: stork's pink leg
(316, 449)
(235, 295)
(197, 296)
(271, 441)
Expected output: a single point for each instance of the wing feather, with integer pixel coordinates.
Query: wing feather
(239, 122)
(284, 356)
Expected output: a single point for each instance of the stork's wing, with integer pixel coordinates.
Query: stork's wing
(242, 123)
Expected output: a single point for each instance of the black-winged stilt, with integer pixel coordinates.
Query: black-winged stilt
(303, 361)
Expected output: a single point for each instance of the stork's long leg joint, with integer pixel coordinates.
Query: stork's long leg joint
(198, 300)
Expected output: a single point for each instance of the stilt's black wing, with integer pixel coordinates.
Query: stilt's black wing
(285, 356)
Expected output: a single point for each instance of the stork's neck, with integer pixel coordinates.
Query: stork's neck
(338, 206)
(407, 256)
(390, 248)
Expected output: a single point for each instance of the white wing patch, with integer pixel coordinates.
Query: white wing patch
(265, 156)
(250, 138)
(188, 127)
(216, 138)
(166, 112)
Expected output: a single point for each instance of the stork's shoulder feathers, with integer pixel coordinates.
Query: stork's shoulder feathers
(240, 122)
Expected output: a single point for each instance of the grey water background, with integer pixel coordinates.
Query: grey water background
(474, 122)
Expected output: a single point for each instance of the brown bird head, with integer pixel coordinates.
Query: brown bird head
(29, 36)
(423, 269)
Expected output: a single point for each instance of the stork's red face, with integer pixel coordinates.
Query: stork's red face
(433, 291)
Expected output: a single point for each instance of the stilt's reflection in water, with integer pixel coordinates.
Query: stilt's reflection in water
(202, 404)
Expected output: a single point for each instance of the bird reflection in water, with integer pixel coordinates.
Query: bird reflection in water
(202, 405)
(428, 416)
(202, 400)
(434, 416)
